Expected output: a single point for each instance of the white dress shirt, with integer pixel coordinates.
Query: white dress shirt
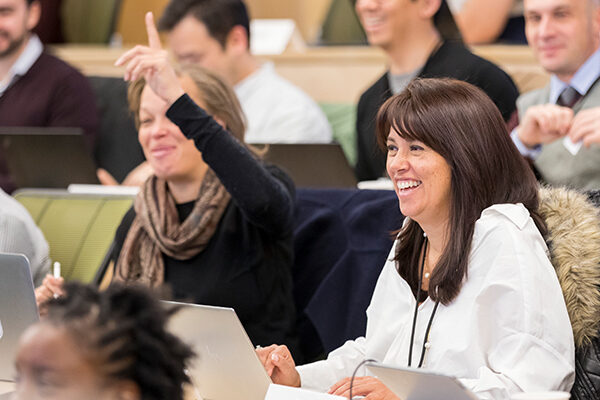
(19, 234)
(507, 330)
(279, 112)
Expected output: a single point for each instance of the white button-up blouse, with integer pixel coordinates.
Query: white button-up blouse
(507, 331)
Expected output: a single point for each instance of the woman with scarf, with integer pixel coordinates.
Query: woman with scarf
(213, 223)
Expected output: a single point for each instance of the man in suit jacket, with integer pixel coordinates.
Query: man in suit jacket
(561, 132)
(411, 32)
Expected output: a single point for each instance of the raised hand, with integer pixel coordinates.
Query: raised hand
(152, 63)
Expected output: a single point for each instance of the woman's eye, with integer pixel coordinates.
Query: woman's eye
(391, 148)
(145, 121)
(416, 147)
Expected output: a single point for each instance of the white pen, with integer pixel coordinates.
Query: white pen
(56, 269)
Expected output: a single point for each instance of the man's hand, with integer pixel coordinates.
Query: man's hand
(544, 124)
(586, 127)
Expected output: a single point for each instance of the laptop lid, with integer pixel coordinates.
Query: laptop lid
(42, 157)
(419, 384)
(226, 366)
(313, 165)
(18, 308)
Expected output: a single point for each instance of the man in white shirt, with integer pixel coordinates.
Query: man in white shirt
(560, 123)
(19, 234)
(215, 34)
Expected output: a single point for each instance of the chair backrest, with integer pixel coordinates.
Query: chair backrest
(342, 118)
(89, 21)
(117, 149)
(79, 228)
(574, 243)
(341, 240)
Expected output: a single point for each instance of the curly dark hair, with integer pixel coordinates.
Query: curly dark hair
(124, 329)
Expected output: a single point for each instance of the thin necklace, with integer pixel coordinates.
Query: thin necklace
(426, 345)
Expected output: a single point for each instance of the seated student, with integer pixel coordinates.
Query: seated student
(215, 34)
(19, 234)
(488, 21)
(214, 222)
(101, 345)
(417, 38)
(469, 289)
(37, 88)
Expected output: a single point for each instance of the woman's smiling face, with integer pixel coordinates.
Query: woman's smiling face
(171, 155)
(422, 180)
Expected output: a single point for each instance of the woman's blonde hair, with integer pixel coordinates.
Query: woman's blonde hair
(219, 99)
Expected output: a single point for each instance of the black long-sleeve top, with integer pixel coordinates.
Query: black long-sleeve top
(247, 263)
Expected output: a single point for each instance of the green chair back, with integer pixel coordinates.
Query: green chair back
(89, 21)
(79, 228)
(342, 118)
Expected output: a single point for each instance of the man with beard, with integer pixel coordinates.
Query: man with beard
(36, 88)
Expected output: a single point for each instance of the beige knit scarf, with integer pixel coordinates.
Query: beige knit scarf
(156, 229)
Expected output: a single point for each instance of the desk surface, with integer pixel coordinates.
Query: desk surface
(328, 74)
(6, 387)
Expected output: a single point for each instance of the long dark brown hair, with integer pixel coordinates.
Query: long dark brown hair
(460, 122)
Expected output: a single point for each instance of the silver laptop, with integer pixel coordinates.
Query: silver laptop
(18, 308)
(419, 384)
(226, 366)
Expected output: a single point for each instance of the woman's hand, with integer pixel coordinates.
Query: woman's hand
(279, 364)
(152, 62)
(369, 387)
(136, 177)
(51, 287)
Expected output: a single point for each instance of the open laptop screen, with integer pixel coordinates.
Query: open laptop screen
(41, 157)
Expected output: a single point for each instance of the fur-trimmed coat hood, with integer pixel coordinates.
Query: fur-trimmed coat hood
(574, 242)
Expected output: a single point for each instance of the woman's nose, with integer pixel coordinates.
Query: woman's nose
(159, 128)
(398, 162)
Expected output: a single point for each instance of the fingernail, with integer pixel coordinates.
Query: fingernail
(275, 357)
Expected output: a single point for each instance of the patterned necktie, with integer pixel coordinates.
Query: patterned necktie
(568, 98)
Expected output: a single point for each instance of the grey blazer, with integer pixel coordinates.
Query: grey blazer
(556, 164)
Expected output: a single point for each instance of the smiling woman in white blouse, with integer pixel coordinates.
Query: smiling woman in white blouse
(468, 289)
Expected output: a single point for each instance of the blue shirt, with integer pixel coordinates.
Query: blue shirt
(582, 81)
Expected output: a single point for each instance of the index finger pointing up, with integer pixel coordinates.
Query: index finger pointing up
(153, 37)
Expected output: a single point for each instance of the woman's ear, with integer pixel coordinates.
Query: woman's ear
(429, 8)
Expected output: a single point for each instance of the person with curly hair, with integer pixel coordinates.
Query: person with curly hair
(102, 345)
